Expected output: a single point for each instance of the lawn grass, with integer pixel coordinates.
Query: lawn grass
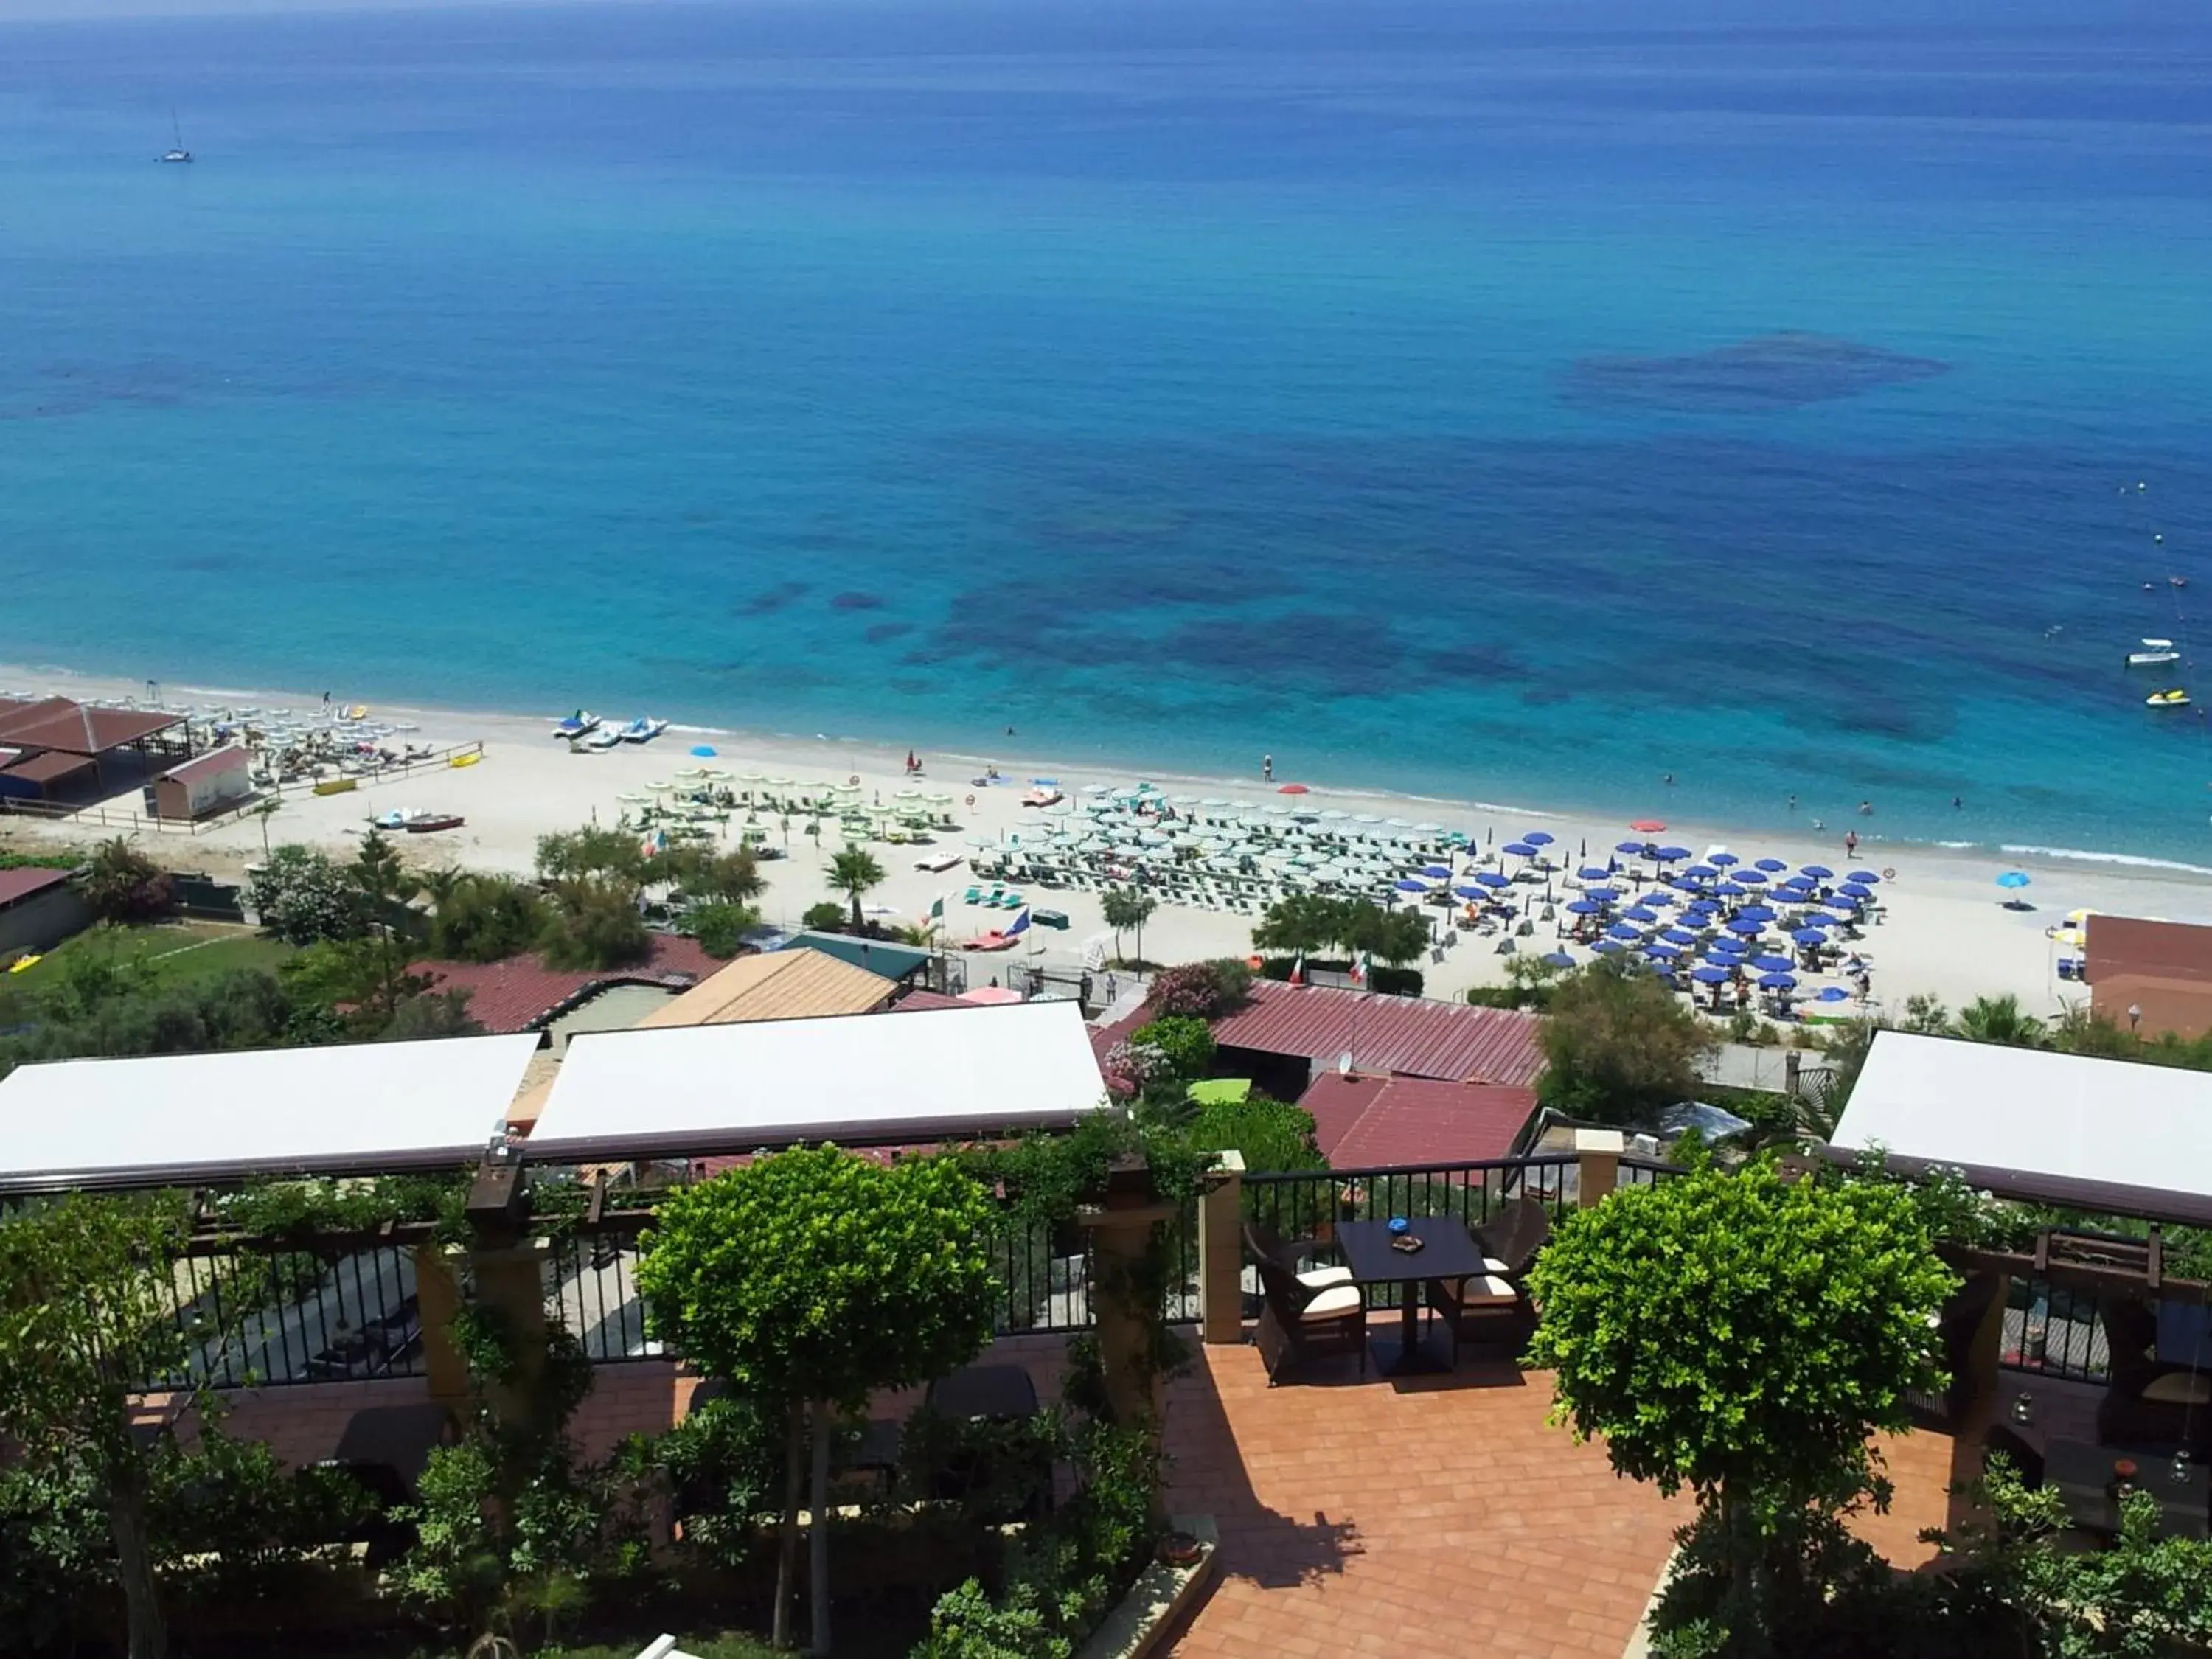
(174, 953)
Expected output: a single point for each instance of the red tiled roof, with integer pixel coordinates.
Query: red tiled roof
(1412, 1036)
(523, 994)
(16, 885)
(1371, 1121)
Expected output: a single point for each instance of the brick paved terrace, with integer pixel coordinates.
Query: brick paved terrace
(1438, 1516)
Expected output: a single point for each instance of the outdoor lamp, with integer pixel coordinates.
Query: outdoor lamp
(2177, 1471)
(2023, 1407)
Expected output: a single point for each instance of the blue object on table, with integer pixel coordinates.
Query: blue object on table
(1398, 1224)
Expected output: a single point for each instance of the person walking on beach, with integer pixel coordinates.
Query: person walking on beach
(1267, 768)
(1851, 843)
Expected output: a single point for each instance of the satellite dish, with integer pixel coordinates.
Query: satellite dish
(1344, 1064)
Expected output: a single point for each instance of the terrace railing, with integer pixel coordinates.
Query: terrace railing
(344, 1317)
(2054, 1330)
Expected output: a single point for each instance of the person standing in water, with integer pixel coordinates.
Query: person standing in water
(1267, 768)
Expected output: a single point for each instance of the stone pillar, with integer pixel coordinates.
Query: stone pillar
(437, 1299)
(510, 1285)
(1598, 1154)
(1221, 1251)
(1120, 1229)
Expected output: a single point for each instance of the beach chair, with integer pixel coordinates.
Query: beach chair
(973, 894)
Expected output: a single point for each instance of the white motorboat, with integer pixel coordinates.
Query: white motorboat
(2152, 659)
(176, 151)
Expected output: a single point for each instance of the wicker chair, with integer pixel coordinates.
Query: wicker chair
(1268, 1245)
(2147, 1401)
(1301, 1323)
(1493, 1305)
(1511, 1239)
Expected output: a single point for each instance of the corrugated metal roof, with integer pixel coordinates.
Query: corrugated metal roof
(523, 994)
(796, 984)
(231, 757)
(65, 724)
(1412, 1036)
(16, 885)
(49, 766)
(1369, 1121)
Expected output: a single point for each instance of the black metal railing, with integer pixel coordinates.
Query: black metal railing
(346, 1317)
(591, 1287)
(2052, 1330)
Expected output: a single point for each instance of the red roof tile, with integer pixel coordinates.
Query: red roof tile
(1372, 1121)
(72, 727)
(16, 885)
(1413, 1037)
(523, 994)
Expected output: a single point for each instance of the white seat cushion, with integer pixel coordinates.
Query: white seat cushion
(1333, 1304)
(1320, 1278)
(1487, 1291)
(1490, 1264)
(2180, 1389)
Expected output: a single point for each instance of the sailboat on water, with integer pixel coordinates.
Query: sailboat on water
(176, 152)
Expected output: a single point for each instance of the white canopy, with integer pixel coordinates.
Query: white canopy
(184, 1119)
(2110, 1134)
(858, 1080)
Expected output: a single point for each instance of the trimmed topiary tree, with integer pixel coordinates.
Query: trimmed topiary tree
(811, 1280)
(1743, 1336)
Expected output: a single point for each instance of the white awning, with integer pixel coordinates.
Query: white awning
(2097, 1134)
(182, 1120)
(858, 1080)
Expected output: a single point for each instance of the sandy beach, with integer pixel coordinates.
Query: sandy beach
(1943, 932)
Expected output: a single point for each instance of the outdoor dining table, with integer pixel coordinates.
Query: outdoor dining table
(1448, 1251)
(2085, 1476)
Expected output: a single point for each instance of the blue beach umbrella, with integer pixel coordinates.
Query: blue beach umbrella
(1730, 950)
(1557, 959)
(1771, 865)
(1750, 878)
(1777, 982)
(1603, 895)
(1671, 854)
(1679, 936)
(2013, 880)
(1519, 849)
(1723, 858)
(1639, 914)
(1472, 892)
(1593, 873)
(1710, 976)
(1494, 879)
(1818, 872)
(1585, 907)
(1744, 926)
(1756, 912)
(1702, 872)
(704, 751)
(1730, 889)
(1662, 952)
(1606, 947)
(1634, 849)
(1865, 878)
(1833, 994)
(1436, 872)
(1796, 886)
(1622, 931)
(1772, 963)
(1538, 837)
(1409, 885)
(1684, 884)
(1809, 936)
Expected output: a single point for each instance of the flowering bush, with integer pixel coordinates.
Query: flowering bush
(1199, 990)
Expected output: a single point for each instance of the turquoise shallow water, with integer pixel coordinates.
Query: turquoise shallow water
(1393, 388)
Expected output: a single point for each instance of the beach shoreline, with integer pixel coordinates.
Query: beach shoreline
(1945, 932)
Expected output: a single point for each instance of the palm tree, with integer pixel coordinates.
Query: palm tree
(852, 873)
(2001, 1019)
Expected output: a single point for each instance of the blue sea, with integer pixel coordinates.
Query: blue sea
(1499, 399)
